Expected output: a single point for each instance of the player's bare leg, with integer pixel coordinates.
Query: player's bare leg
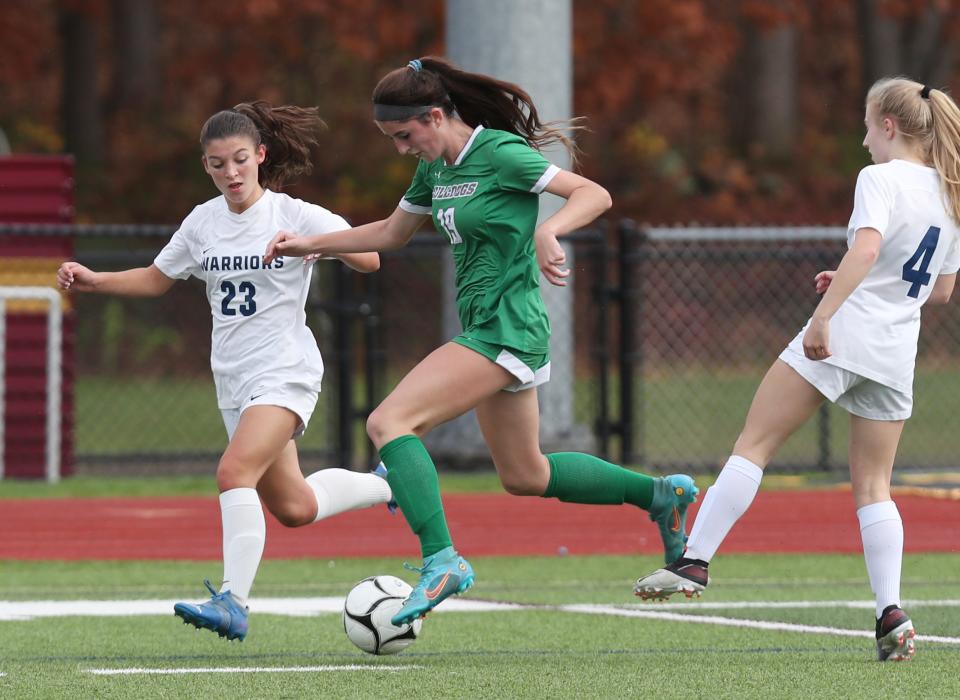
(873, 447)
(783, 402)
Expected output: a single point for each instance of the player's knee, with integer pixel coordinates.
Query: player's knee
(382, 426)
(522, 483)
(375, 427)
(294, 514)
(869, 491)
(229, 475)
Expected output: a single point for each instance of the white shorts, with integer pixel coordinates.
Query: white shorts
(298, 398)
(526, 377)
(851, 391)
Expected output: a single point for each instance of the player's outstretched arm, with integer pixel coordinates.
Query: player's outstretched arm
(387, 234)
(361, 262)
(138, 282)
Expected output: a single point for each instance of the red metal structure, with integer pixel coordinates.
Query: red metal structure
(34, 190)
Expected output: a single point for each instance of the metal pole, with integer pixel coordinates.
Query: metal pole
(823, 437)
(3, 384)
(630, 346)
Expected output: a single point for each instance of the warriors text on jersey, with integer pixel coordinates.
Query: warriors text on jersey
(874, 332)
(260, 337)
(486, 203)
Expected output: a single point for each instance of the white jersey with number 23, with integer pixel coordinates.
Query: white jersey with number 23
(260, 338)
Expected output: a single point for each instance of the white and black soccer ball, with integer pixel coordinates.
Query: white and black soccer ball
(367, 611)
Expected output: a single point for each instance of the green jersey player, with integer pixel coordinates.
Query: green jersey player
(479, 179)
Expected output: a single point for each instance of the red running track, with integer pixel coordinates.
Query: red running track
(481, 524)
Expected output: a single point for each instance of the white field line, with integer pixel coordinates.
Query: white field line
(787, 604)
(243, 669)
(291, 607)
(735, 622)
(310, 607)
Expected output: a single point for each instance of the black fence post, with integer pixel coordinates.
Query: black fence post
(627, 351)
(341, 300)
(603, 292)
(374, 354)
(823, 437)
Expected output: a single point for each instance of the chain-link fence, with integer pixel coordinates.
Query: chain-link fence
(711, 309)
(659, 343)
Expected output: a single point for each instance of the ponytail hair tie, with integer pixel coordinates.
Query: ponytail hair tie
(416, 65)
(925, 92)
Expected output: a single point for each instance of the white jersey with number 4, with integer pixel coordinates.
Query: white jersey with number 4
(874, 332)
(260, 337)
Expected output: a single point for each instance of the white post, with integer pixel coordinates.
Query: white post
(54, 371)
(3, 382)
(529, 43)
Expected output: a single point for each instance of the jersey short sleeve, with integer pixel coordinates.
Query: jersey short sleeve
(521, 168)
(951, 262)
(177, 259)
(872, 202)
(419, 197)
(313, 219)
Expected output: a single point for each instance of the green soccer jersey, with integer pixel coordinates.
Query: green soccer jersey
(486, 204)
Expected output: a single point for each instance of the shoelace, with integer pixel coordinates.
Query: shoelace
(422, 583)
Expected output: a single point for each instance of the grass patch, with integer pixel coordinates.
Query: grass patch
(542, 652)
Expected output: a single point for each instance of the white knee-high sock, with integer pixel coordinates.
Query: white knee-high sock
(723, 505)
(244, 532)
(881, 530)
(340, 490)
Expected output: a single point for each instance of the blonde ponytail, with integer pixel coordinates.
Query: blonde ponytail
(931, 118)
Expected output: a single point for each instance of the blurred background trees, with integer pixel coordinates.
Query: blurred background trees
(699, 110)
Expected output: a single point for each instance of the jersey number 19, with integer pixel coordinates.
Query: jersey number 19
(449, 226)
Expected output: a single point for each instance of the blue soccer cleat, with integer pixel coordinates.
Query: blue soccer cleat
(381, 471)
(442, 575)
(671, 496)
(222, 613)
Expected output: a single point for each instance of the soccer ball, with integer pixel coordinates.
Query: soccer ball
(367, 612)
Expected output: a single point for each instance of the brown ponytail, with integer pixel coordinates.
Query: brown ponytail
(288, 132)
(479, 100)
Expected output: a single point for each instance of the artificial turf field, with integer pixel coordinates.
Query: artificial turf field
(573, 634)
(771, 625)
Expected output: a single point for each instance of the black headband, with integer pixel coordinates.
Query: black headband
(925, 92)
(398, 113)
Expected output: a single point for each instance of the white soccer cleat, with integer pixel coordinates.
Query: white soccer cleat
(895, 636)
(682, 576)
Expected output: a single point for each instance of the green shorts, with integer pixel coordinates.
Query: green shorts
(530, 368)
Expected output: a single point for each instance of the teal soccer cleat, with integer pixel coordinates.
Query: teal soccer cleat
(442, 575)
(222, 614)
(671, 496)
(381, 471)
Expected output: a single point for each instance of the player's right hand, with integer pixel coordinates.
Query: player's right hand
(73, 275)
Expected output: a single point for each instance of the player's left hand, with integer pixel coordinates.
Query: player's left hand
(823, 280)
(289, 243)
(551, 258)
(816, 341)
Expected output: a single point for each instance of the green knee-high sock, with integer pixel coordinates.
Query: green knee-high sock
(581, 478)
(416, 488)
